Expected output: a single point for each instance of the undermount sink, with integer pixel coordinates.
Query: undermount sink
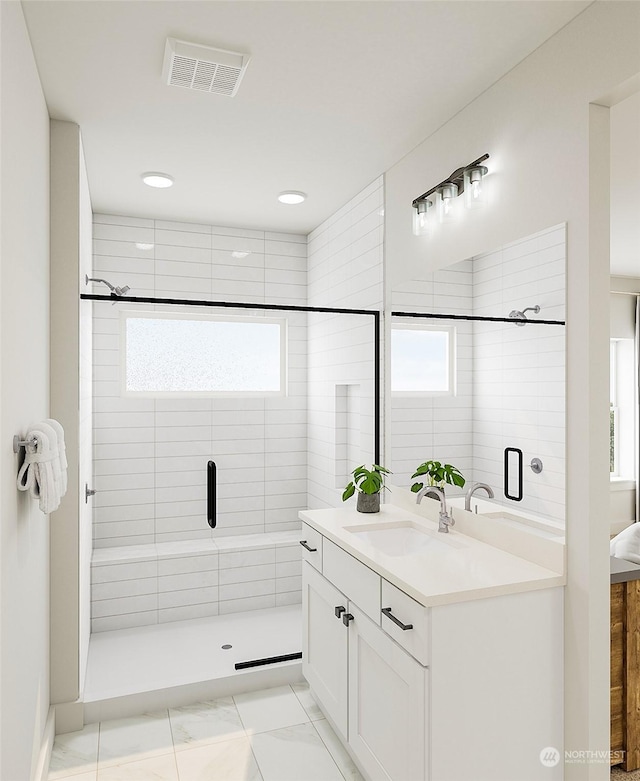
(402, 538)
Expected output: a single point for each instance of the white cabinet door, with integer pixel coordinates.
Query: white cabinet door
(324, 644)
(387, 704)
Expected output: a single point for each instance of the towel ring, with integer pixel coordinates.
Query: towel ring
(18, 442)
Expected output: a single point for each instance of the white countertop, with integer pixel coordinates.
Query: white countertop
(447, 568)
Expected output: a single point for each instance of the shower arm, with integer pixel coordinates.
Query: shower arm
(115, 291)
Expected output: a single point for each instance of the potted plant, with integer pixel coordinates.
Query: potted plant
(369, 484)
(437, 474)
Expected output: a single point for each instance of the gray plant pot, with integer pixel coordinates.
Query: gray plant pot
(368, 503)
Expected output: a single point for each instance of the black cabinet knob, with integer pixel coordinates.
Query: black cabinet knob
(339, 610)
(346, 618)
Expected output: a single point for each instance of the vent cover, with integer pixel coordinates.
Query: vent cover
(203, 68)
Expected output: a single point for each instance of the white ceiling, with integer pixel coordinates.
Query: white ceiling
(335, 94)
(625, 187)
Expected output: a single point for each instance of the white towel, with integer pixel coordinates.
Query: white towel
(62, 453)
(626, 545)
(36, 474)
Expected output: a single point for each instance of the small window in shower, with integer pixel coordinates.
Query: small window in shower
(168, 354)
(422, 360)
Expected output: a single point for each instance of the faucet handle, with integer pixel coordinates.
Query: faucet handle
(446, 520)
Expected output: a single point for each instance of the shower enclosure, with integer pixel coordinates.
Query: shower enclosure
(215, 421)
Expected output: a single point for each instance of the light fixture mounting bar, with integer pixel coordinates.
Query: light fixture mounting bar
(457, 177)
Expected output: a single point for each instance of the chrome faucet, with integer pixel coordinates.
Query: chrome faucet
(476, 487)
(444, 519)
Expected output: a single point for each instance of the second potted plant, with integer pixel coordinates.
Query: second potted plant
(368, 483)
(437, 474)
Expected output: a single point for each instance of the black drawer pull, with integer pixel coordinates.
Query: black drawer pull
(305, 545)
(389, 614)
(346, 618)
(339, 610)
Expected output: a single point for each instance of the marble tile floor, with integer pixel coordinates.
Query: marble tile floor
(276, 734)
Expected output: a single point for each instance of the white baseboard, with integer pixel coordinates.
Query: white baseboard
(44, 756)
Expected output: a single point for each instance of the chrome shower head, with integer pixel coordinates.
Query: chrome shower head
(515, 314)
(116, 291)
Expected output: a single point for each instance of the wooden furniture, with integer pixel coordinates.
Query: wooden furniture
(625, 674)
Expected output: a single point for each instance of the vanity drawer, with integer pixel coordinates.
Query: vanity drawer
(409, 613)
(311, 543)
(357, 582)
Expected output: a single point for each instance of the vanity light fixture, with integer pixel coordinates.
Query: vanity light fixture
(421, 217)
(292, 197)
(468, 180)
(474, 192)
(447, 193)
(239, 254)
(157, 179)
(143, 245)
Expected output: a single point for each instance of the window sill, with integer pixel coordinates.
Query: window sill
(622, 484)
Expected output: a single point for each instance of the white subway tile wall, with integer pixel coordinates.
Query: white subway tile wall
(138, 585)
(150, 455)
(345, 269)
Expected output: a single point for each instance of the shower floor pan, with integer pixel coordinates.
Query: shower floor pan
(133, 671)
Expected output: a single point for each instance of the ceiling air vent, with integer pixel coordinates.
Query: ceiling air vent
(203, 68)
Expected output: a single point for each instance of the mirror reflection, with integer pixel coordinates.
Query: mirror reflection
(464, 391)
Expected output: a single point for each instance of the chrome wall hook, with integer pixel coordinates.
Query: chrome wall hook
(19, 443)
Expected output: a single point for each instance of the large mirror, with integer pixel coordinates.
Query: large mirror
(490, 377)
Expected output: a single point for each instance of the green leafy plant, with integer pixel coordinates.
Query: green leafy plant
(437, 474)
(367, 481)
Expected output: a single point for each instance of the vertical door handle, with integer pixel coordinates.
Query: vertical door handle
(211, 493)
(507, 460)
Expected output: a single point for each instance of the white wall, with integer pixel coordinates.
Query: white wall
(71, 406)
(24, 398)
(625, 186)
(345, 264)
(549, 160)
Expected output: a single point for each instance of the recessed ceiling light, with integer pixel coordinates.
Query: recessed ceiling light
(142, 245)
(239, 254)
(292, 197)
(156, 179)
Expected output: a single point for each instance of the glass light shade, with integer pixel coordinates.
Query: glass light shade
(447, 207)
(475, 191)
(421, 219)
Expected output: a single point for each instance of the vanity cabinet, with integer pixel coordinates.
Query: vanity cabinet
(325, 644)
(372, 690)
(387, 704)
(468, 689)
